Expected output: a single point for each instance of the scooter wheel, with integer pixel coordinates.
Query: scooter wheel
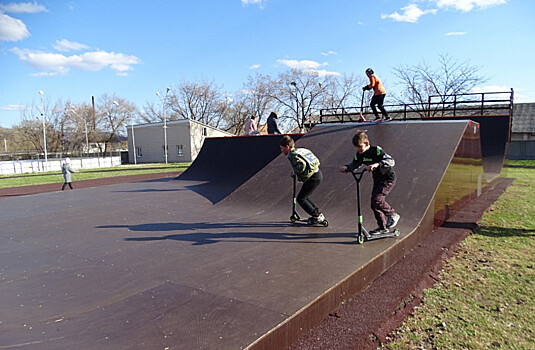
(325, 223)
(360, 239)
(396, 233)
(293, 218)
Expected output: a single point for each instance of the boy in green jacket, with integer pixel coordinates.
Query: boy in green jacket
(306, 167)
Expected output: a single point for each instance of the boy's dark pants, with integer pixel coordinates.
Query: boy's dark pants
(306, 190)
(378, 100)
(65, 184)
(381, 209)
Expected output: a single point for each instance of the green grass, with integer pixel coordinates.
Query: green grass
(88, 174)
(484, 299)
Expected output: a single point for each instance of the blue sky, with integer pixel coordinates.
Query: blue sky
(72, 50)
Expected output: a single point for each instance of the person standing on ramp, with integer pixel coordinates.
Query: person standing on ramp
(379, 94)
(306, 167)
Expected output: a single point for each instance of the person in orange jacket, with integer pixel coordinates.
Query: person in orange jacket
(379, 94)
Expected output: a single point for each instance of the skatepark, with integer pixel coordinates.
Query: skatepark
(210, 260)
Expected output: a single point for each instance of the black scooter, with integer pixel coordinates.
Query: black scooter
(295, 216)
(363, 235)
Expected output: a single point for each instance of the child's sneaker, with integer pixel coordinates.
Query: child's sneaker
(392, 220)
(377, 119)
(313, 220)
(378, 231)
(387, 119)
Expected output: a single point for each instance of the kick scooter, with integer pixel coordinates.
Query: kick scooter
(295, 216)
(362, 119)
(363, 234)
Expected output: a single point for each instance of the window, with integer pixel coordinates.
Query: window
(139, 152)
(163, 151)
(204, 132)
(180, 150)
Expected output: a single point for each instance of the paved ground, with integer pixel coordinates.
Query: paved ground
(26, 190)
(169, 264)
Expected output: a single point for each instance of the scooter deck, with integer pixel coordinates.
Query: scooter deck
(368, 237)
(296, 219)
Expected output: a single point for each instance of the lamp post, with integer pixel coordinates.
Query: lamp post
(164, 122)
(44, 127)
(85, 125)
(133, 136)
(296, 102)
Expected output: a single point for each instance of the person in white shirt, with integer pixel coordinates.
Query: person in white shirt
(250, 126)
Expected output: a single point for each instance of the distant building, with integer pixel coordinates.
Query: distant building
(184, 141)
(523, 132)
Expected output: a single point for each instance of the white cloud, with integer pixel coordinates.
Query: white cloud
(66, 45)
(12, 29)
(59, 64)
(22, 7)
(307, 66)
(329, 53)
(254, 66)
(260, 3)
(468, 5)
(491, 88)
(322, 72)
(455, 33)
(304, 64)
(411, 14)
(13, 108)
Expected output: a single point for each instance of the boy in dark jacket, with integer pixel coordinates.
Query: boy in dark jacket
(306, 167)
(384, 179)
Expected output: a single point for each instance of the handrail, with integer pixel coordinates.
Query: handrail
(449, 105)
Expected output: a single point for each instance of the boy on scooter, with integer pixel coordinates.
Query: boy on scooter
(306, 167)
(384, 179)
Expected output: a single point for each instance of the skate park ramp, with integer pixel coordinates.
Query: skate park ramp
(225, 163)
(158, 265)
(495, 135)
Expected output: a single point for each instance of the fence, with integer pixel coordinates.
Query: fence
(54, 164)
(471, 104)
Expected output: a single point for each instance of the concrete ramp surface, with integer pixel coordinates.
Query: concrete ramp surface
(162, 265)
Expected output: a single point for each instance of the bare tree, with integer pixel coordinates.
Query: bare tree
(449, 78)
(202, 102)
(111, 119)
(79, 125)
(29, 131)
(152, 113)
(299, 94)
(253, 99)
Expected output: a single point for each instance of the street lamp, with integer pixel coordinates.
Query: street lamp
(44, 127)
(164, 122)
(296, 102)
(85, 125)
(133, 137)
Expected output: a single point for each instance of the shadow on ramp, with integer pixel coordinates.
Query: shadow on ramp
(225, 163)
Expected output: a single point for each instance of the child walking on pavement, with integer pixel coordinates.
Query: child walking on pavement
(384, 179)
(306, 167)
(67, 170)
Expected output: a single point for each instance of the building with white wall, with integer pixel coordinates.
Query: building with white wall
(184, 141)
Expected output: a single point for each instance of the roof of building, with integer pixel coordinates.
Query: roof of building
(524, 118)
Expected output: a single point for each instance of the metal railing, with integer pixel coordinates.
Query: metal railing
(459, 105)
